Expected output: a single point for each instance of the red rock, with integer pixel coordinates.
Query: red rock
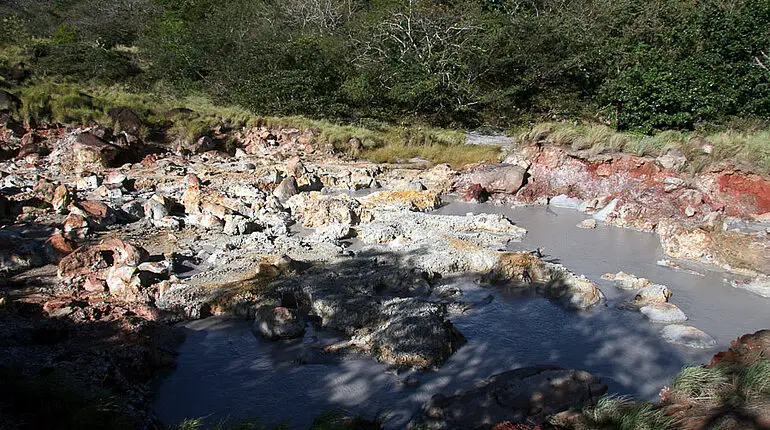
(96, 259)
(61, 199)
(744, 194)
(58, 247)
(477, 193)
(745, 350)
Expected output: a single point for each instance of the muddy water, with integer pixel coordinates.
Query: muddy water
(225, 371)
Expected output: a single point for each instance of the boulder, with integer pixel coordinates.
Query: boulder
(476, 194)
(747, 349)
(126, 120)
(157, 207)
(523, 396)
(286, 189)
(315, 209)
(61, 199)
(672, 160)
(97, 259)
(417, 201)
(91, 152)
(687, 336)
(497, 178)
(278, 323)
(57, 246)
(663, 313)
(652, 294)
(191, 199)
(573, 292)
(626, 281)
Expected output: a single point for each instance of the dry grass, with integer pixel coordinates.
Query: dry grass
(750, 149)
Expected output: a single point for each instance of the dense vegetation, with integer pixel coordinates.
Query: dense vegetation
(642, 66)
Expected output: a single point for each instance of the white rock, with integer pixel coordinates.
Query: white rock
(564, 201)
(663, 313)
(687, 336)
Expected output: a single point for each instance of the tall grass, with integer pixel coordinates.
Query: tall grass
(619, 413)
(749, 149)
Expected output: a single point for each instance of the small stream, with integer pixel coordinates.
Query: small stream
(223, 370)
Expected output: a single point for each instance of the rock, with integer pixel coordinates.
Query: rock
(497, 178)
(476, 194)
(588, 223)
(663, 313)
(606, 211)
(574, 292)
(87, 183)
(203, 144)
(91, 152)
(286, 189)
(332, 232)
(418, 201)
(123, 282)
(687, 336)
(45, 191)
(167, 222)
(94, 260)
(236, 225)
(295, 168)
(75, 226)
(672, 160)
(689, 211)
(315, 209)
(278, 323)
(747, 349)
(134, 209)
(523, 396)
(414, 333)
(652, 294)
(57, 247)
(157, 207)
(18, 254)
(96, 211)
(564, 201)
(625, 281)
(759, 285)
(115, 179)
(191, 199)
(61, 199)
(156, 267)
(126, 120)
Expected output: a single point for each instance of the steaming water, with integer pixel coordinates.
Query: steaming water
(223, 370)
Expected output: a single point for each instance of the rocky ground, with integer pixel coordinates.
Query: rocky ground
(107, 239)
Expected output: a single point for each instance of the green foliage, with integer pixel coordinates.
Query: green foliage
(64, 35)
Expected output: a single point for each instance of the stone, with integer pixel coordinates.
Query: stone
(625, 281)
(87, 183)
(278, 323)
(46, 191)
(663, 313)
(61, 199)
(206, 221)
(587, 224)
(236, 225)
(57, 246)
(90, 152)
(294, 167)
(286, 189)
(759, 285)
(203, 144)
(191, 199)
(747, 349)
(498, 178)
(168, 222)
(574, 293)
(527, 395)
(564, 201)
(314, 209)
(126, 120)
(417, 201)
(672, 160)
(476, 194)
(96, 211)
(652, 294)
(134, 209)
(94, 260)
(687, 336)
(602, 214)
(157, 207)
(157, 267)
(115, 179)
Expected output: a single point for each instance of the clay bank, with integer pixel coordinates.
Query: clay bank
(303, 280)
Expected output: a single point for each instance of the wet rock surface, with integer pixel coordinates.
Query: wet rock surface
(521, 396)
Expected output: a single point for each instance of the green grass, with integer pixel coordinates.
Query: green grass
(613, 412)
